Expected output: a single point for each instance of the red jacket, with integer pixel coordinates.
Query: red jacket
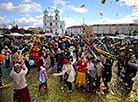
(82, 65)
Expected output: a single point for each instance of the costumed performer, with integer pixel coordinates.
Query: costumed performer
(81, 72)
(20, 92)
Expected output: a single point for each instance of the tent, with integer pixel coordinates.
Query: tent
(1, 35)
(15, 34)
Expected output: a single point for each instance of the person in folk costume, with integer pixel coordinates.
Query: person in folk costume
(68, 73)
(42, 78)
(107, 73)
(99, 73)
(81, 72)
(17, 74)
(6, 51)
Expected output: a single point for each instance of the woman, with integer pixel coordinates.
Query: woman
(20, 92)
(68, 73)
(81, 72)
(99, 72)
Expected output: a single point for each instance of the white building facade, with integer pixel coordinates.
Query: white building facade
(106, 29)
(114, 29)
(53, 24)
(75, 30)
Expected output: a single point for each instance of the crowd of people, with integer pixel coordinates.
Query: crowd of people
(83, 60)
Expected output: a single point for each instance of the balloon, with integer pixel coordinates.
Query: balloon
(2, 57)
(31, 62)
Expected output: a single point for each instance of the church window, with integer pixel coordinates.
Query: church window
(56, 14)
(50, 23)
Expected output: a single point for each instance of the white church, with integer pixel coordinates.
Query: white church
(53, 24)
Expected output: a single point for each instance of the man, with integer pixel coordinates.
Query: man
(21, 92)
(130, 73)
(107, 73)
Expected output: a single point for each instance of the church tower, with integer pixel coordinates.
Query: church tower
(57, 21)
(52, 24)
(45, 20)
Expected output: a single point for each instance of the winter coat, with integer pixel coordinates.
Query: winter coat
(107, 73)
(99, 69)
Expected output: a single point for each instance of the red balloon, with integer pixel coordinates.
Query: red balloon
(2, 57)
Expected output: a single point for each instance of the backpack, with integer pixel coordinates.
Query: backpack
(92, 72)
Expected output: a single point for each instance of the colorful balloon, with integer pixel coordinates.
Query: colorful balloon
(31, 62)
(2, 57)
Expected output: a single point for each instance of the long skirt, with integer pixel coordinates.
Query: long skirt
(21, 95)
(81, 79)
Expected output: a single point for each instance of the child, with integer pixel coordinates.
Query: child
(42, 79)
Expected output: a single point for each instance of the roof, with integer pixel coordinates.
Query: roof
(125, 24)
(57, 10)
(45, 11)
(77, 26)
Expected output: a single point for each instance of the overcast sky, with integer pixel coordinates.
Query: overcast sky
(29, 13)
